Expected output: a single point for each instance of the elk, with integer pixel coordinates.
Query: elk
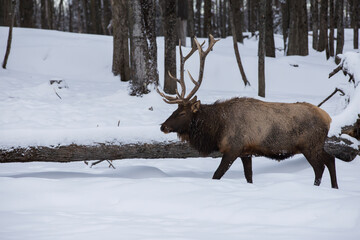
(246, 127)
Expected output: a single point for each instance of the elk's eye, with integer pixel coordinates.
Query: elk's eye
(182, 114)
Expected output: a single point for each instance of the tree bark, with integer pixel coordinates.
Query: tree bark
(120, 65)
(354, 16)
(237, 18)
(74, 152)
(207, 18)
(285, 12)
(340, 29)
(261, 53)
(149, 13)
(8, 46)
(26, 11)
(190, 22)
(182, 16)
(139, 49)
(253, 7)
(269, 31)
(323, 37)
(169, 19)
(298, 34)
(198, 29)
(114, 151)
(332, 26)
(236, 49)
(315, 23)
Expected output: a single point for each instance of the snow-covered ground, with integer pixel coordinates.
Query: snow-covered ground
(159, 198)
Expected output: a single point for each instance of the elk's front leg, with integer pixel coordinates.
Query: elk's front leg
(226, 162)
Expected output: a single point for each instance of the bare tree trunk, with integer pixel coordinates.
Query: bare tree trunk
(44, 15)
(354, 15)
(70, 7)
(182, 16)
(207, 18)
(332, 26)
(236, 49)
(169, 19)
(253, 7)
(236, 9)
(298, 34)
(261, 53)
(198, 29)
(26, 10)
(269, 31)
(149, 13)
(60, 20)
(191, 26)
(315, 22)
(106, 16)
(8, 46)
(120, 65)
(285, 12)
(139, 51)
(323, 37)
(223, 18)
(340, 29)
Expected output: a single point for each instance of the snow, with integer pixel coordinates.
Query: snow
(157, 198)
(350, 62)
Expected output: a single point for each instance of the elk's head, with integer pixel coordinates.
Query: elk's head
(180, 119)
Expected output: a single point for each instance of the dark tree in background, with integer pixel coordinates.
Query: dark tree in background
(261, 52)
(323, 36)
(315, 23)
(182, 16)
(120, 24)
(207, 18)
(190, 21)
(26, 12)
(237, 7)
(340, 29)
(355, 20)
(269, 30)
(298, 33)
(169, 19)
(285, 11)
(253, 12)
(332, 26)
(11, 25)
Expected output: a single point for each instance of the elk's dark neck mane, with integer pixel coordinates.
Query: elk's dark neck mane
(204, 129)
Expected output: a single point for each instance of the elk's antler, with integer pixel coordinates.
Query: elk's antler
(180, 98)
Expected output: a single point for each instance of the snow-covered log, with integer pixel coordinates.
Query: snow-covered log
(337, 146)
(73, 152)
(345, 127)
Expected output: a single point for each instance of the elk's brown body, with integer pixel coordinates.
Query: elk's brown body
(243, 127)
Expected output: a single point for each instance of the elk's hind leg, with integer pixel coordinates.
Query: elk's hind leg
(247, 164)
(317, 164)
(330, 164)
(226, 162)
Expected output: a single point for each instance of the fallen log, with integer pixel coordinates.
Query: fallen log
(111, 151)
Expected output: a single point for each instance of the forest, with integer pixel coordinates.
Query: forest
(135, 25)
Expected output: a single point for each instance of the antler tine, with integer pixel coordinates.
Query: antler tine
(180, 98)
(202, 55)
(211, 44)
(182, 64)
(168, 99)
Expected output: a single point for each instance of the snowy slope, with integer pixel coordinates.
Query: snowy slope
(95, 101)
(158, 198)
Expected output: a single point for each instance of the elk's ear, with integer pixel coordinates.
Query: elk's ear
(195, 106)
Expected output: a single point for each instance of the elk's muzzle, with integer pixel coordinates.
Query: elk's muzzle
(165, 129)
